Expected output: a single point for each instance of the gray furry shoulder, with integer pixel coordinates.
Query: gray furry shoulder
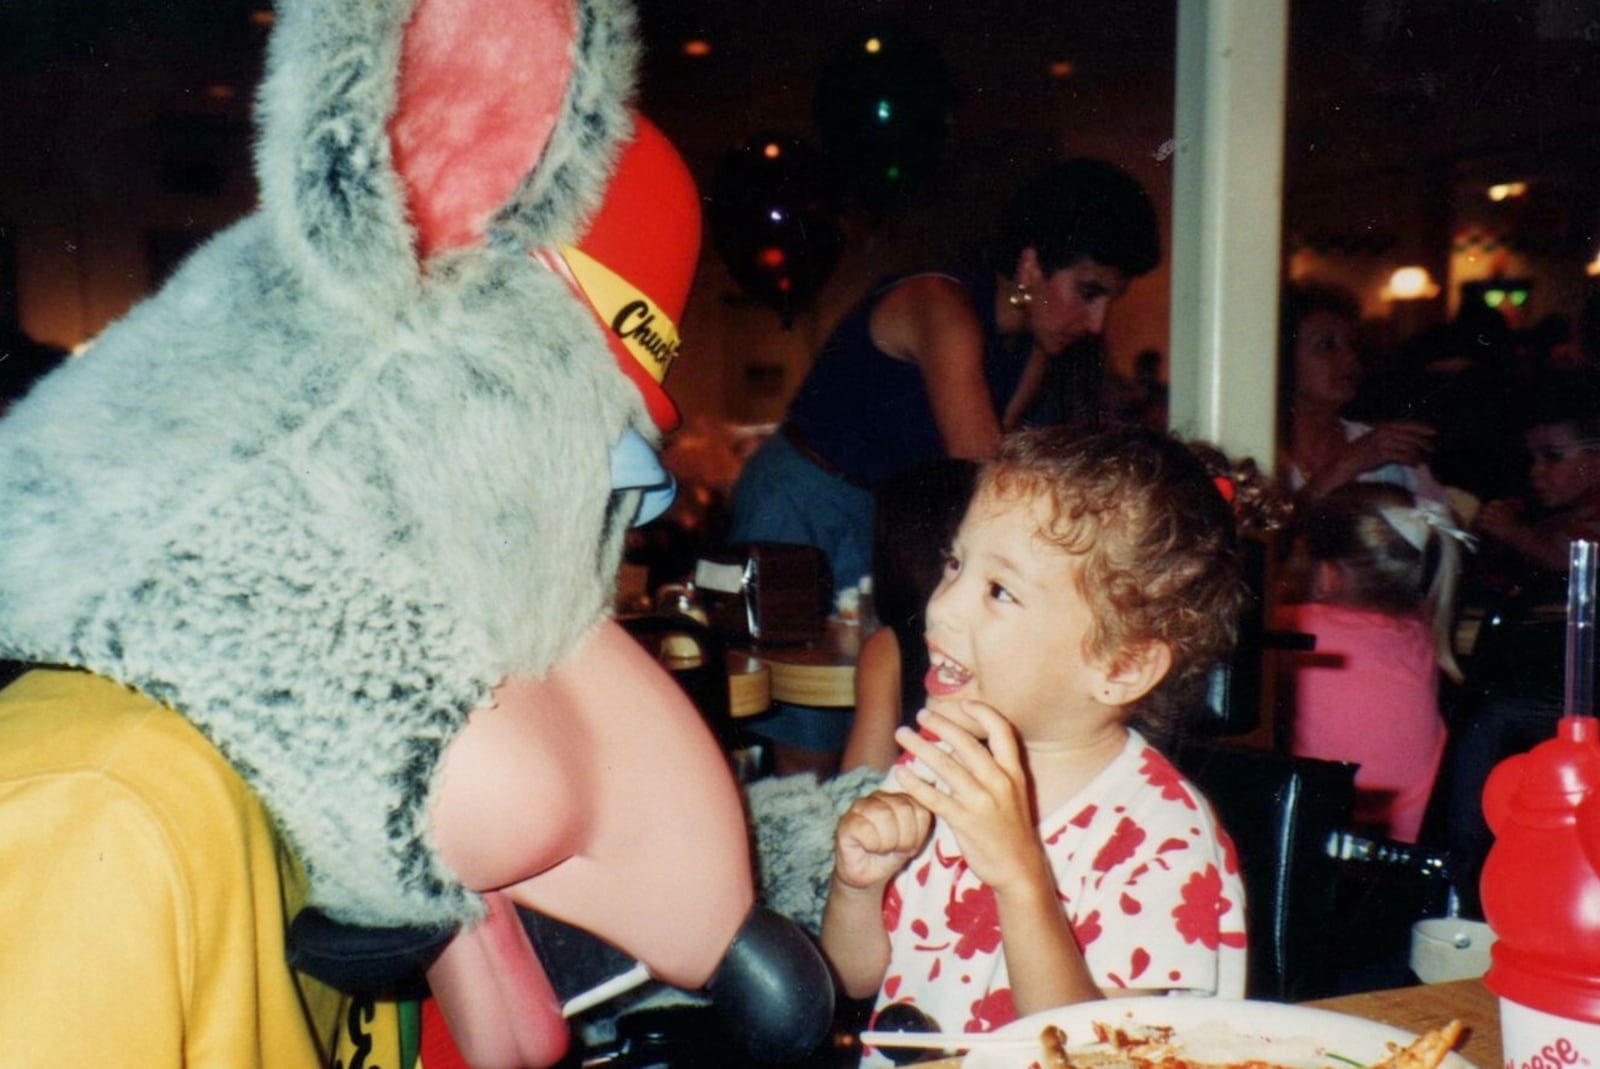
(794, 819)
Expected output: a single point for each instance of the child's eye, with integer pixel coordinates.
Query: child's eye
(1000, 593)
(952, 564)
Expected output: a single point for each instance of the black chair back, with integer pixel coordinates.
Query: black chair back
(1328, 910)
(1281, 812)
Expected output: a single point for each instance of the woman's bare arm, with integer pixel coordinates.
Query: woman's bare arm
(871, 742)
(930, 321)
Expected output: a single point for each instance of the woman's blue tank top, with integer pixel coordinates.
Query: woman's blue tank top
(867, 414)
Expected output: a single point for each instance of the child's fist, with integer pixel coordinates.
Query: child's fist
(876, 837)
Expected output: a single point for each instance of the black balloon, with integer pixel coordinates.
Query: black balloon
(774, 217)
(884, 105)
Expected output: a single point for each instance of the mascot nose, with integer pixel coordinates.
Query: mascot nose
(635, 466)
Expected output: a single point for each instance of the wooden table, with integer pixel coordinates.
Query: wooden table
(821, 673)
(749, 685)
(749, 678)
(1414, 1009)
(1427, 1006)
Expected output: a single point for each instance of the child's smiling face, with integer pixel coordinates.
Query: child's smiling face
(1009, 625)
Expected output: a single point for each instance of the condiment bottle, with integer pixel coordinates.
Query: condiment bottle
(1541, 897)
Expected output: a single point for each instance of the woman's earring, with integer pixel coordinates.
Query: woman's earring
(1019, 297)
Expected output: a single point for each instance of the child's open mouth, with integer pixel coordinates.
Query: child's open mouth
(945, 677)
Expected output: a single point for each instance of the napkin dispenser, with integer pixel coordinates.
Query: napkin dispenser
(771, 593)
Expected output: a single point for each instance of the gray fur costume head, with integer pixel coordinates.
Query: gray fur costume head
(320, 497)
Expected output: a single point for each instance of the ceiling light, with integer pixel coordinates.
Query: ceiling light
(1507, 190)
(1410, 284)
(1061, 69)
(697, 48)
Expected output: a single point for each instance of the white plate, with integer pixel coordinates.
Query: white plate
(1273, 1031)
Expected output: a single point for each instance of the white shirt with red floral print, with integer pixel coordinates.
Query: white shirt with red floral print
(1148, 878)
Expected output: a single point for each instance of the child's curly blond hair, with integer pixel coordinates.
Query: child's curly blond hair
(1159, 539)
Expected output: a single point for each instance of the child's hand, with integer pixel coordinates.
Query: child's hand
(1499, 519)
(1400, 442)
(981, 792)
(877, 836)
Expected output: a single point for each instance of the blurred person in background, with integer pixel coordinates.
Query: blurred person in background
(1320, 374)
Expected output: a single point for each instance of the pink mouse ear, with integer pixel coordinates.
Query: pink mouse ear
(481, 87)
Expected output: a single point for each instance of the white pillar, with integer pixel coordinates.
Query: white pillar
(1227, 221)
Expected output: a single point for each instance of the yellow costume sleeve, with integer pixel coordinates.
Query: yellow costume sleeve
(145, 910)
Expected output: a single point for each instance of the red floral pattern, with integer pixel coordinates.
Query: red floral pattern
(975, 917)
(1200, 914)
(1149, 884)
(991, 1011)
(1120, 848)
(892, 904)
(1158, 772)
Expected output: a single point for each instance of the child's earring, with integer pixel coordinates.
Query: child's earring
(1019, 297)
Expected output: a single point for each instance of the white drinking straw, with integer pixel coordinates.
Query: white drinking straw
(1579, 697)
(945, 1040)
(606, 991)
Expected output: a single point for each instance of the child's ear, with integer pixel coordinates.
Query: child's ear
(1135, 672)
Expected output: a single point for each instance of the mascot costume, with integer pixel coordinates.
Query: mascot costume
(313, 552)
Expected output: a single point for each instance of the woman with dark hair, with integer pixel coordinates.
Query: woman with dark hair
(1319, 375)
(940, 363)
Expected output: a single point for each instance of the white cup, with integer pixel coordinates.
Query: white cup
(1531, 1039)
(1449, 948)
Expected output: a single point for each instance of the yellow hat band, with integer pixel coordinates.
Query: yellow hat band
(648, 333)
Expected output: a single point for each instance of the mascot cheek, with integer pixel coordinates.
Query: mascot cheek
(575, 791)
(573, 795)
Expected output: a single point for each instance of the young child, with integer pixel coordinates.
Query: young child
(1517, 690)
(1378, 570)
(1032, 850)
(1563, 445)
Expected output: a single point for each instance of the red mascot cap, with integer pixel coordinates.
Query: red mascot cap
(636, 263)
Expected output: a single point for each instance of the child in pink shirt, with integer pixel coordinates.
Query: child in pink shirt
(1377, 571)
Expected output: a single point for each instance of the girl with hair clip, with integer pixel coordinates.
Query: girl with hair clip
(1377, 570)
